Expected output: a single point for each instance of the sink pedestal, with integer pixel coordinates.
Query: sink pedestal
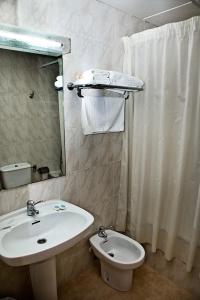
(43, 278)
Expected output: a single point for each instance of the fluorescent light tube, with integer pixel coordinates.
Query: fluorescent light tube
(32, 40)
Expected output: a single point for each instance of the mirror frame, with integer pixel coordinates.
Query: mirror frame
(19, 39)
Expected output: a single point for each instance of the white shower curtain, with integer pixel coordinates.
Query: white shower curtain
(159, 199)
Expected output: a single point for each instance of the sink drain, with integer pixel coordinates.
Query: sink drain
(41, 241)
(111, 254)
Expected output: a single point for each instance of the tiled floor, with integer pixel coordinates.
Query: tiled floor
(148, 285)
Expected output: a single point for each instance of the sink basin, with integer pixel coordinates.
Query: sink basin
(35, 241)
(27, 240)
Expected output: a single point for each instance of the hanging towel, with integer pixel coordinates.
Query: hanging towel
(102, 112)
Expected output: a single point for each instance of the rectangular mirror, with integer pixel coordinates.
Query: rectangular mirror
(31, 112)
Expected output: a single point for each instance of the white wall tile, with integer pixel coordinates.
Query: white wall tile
(92, 162)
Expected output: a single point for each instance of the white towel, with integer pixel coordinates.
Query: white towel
(102, 112)
(97, 76)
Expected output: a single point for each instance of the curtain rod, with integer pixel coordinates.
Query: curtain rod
(167, 10)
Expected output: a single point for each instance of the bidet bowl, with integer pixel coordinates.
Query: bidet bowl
(119, 250)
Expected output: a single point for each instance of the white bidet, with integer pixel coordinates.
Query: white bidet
(119, 255)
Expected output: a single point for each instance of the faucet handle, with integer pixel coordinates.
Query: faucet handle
(31, 202)
(37, 202)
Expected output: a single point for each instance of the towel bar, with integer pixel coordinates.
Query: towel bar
(71, 86)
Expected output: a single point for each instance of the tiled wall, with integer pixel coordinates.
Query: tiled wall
(92, 162)
(8, 12)
(29, 127)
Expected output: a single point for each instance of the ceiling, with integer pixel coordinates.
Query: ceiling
(157, 12)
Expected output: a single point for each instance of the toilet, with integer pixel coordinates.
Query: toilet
(119, 255)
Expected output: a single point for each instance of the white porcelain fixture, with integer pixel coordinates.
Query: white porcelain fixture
(35, 241)
(15, 175)
(119, 255)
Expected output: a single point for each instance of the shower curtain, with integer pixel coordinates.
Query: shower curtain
(159, 200)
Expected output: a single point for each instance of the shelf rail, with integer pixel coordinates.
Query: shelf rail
(79, 87)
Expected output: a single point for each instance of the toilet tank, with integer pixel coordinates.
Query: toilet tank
(15, 175)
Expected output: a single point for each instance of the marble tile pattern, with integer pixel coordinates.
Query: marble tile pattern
(92, 162)
(29, 128)
(8, 12)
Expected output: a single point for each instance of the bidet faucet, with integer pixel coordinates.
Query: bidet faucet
(102, 231)
(31, 211)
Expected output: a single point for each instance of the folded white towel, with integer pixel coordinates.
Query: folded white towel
(102, 112)
(97, 76)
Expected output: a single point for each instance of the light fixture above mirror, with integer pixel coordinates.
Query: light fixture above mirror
(15, 38)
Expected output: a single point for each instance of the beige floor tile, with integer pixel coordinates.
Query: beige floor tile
(147, 285)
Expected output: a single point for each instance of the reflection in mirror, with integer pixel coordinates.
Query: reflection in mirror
(31, 118)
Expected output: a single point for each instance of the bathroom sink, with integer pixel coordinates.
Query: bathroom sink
(28, 240)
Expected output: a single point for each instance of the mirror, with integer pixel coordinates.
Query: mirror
(31, 117)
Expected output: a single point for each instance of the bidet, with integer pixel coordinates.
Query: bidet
(119, 255)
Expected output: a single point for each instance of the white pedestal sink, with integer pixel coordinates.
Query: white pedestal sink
(36, 240)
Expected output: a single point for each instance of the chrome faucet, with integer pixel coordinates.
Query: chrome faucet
(31, 211)
(102, 232)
